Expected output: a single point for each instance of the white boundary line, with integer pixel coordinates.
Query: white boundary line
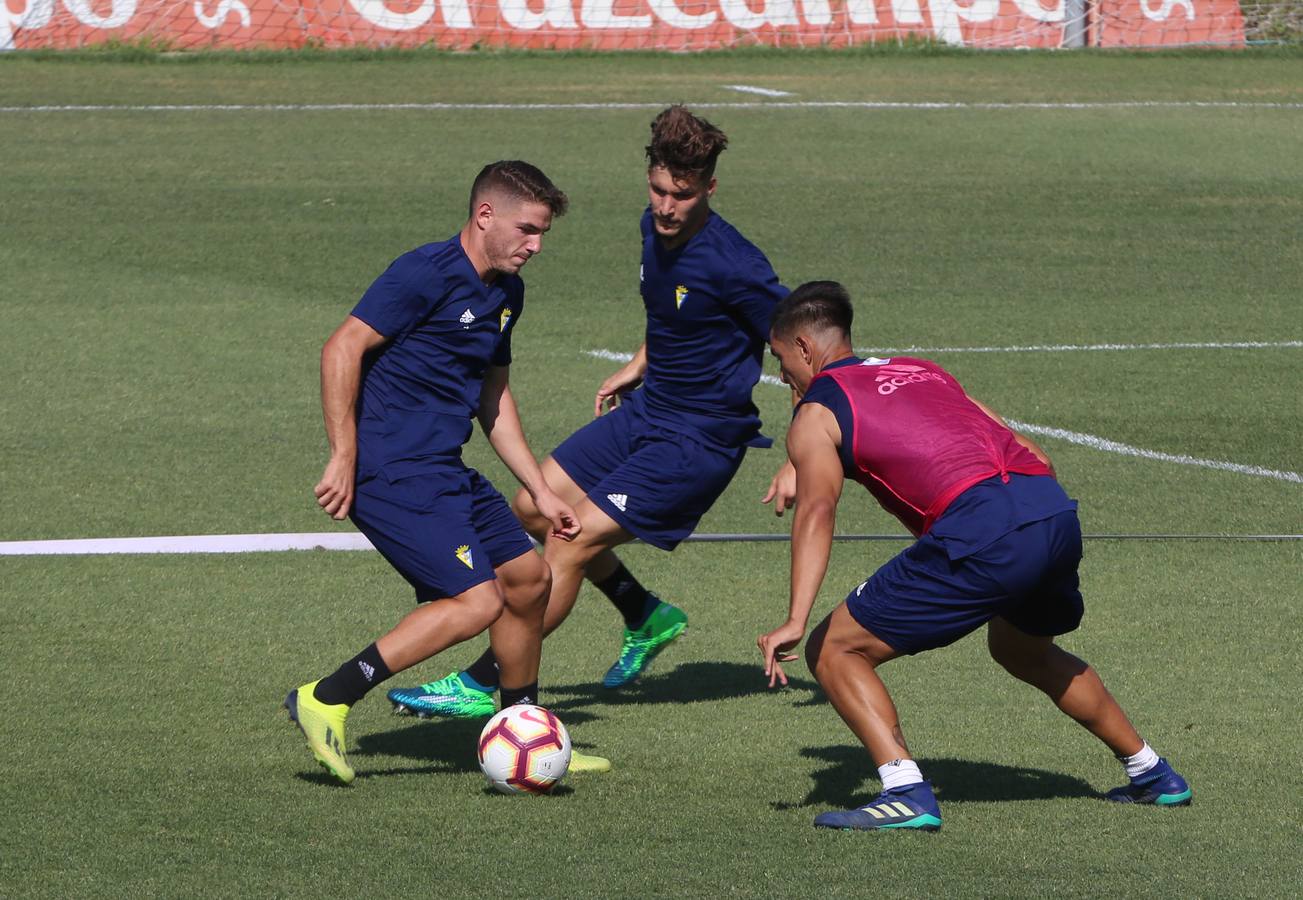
(342, 540)
(762, 91)
(1076, 437)
(211, 543)
(1108, 446)
(524, 107)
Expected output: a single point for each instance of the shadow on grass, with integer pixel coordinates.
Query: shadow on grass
(443, 745)
(695, 682)
(841, 784)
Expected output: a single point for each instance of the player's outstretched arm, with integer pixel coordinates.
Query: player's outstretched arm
(812, 449)
(500, 420)
(626, 379)
(1022, 439)
(341, 375)
(782, 487)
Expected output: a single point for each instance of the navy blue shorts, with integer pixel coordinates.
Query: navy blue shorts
(444, 531)
(656, 484)
(922, 599)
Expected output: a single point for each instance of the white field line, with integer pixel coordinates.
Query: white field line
(212, 543)
(1075, 437)
(1099, 443)
(1067, 348)
(615, 356)
(751, 89)
(522, 107)
(334, 540)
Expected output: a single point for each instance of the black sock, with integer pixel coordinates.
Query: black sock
(485, 669)
(353, 679)
(526, 694)
(630, 597)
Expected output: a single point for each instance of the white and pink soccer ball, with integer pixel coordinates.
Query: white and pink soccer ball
(524, 750)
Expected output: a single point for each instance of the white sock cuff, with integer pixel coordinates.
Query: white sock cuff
(899, 773)
(1140, 762)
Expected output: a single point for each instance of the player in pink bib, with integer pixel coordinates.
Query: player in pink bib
(998, 545)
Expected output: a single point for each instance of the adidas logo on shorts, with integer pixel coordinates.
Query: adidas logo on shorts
(619, 501)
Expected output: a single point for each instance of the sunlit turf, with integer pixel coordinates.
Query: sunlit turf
(146, 752)
(169, 279)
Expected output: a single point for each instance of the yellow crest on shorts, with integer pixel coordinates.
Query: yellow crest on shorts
(464, 554)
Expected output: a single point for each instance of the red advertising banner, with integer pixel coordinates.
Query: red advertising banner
(617, 24)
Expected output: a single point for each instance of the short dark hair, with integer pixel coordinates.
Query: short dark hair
(814, 306)
(520, 180)
(686, 145)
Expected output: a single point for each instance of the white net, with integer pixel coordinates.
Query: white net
(637, 24)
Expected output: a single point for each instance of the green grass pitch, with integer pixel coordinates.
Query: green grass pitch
(169, 277)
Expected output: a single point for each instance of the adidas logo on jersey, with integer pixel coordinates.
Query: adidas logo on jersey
(619, 501)
(467, 317)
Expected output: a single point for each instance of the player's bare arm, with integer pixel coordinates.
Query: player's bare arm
(500, 420)
(1022, 439)
(629, 376)
(782, 487)
(341, 374)
(812, 443)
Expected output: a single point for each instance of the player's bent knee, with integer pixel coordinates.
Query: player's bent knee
(814, 647)
(1022, 656)
(526, 585)
(523, 506)
(485, 607)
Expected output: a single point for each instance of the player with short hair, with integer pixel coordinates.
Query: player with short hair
(680, 415)
(998, 545)
(426, 350)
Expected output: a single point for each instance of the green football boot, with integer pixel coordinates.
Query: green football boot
(641, 645)
(323, 726)
(449, 697)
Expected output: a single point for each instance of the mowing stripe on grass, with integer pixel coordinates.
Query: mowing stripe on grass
(346, 540)
(1068, 348)
(1075, 437)
(871, 105)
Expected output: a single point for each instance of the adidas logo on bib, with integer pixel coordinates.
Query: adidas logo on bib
(619, 501)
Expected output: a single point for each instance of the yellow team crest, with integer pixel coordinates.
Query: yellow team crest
(680, 294)
(504, 318)
(464, 554)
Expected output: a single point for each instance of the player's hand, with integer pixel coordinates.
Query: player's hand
(782, 490)
(335, 489)
(565, 523)
(775, 647)
(622, 382)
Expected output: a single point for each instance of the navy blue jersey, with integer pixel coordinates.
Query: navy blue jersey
(708, 308)
(446, 327)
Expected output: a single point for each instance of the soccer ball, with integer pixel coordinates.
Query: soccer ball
(524, 750)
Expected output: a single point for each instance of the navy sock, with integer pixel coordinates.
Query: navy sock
(526, 694)
(484, 671)
(351, 681)
(629, 597)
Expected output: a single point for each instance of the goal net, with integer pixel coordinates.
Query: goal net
(619, 24)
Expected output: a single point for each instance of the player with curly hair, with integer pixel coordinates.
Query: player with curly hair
(671, 427)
